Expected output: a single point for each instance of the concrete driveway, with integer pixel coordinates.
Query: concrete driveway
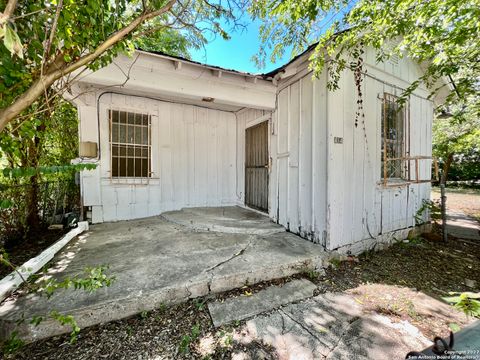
(156, 261)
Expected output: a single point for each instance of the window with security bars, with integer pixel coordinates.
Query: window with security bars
(130, 144)
(394, 165)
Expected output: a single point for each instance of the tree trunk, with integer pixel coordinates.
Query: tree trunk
(33, 190)
(446, 168)
(33, 217)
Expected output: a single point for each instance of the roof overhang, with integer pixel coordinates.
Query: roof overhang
(164, 76)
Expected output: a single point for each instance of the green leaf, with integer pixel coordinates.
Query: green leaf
(12, 42)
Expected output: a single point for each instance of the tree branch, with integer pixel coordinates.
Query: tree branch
(52, 33)
(58, 68)
(8, 12)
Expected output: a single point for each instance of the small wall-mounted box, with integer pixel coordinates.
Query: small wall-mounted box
(88, 149)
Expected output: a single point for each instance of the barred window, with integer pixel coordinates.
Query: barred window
(394, 165)
(130, 144)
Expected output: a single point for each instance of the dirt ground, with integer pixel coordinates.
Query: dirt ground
(464, 200)
(29, 248)
(386, 282)
(395, 282)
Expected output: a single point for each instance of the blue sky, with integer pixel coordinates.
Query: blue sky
(237, 52)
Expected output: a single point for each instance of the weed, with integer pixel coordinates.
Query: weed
(184, 346)
(196, 331)
(129, 331)
(415, 241)
(428, 207)
(335, 262)
(162, 308)
(467, 302)
(12, 344)
(144, 314)
(200, 304)
(36, 320)
(228, 340)
(312, 274)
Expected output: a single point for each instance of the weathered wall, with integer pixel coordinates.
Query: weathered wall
(332, 192)
(360, 207)
(298, 181)
(193, 160)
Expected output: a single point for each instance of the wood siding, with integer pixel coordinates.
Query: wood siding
(299, 159)
(326, 181)
(193, 161)
(360, 207)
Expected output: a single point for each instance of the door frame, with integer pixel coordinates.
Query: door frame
(268, 119)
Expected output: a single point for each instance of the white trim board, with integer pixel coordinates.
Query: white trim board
(10, 282)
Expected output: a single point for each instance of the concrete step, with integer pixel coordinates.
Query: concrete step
(244, 307)
(228, 219)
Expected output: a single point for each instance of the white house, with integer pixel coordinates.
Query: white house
(169, 133)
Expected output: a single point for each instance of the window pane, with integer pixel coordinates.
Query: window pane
(131, 118)
(123, 136)
(123, 117)
(145, 168)
(114, 115)
(123, 167)
(115, 132)
(130, 136)
(130, 167)
(138, 167)
(138, 135)
(138, 119)
(114, 166)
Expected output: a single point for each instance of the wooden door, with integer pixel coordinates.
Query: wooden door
(256, 167)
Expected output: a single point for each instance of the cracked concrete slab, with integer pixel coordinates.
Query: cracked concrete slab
(230, 219)
(243, 307)
(155, 262)
(332, 326)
